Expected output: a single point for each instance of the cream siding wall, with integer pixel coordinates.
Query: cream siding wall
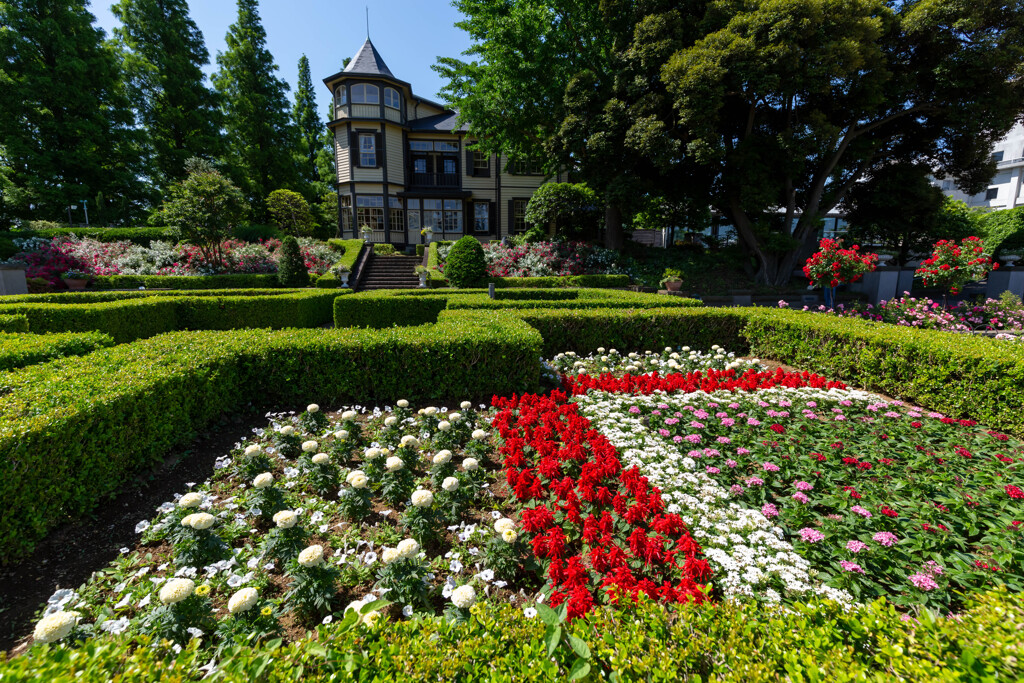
(396, 157)
(366, 111)
(392, 114)
(342, 159)
(369, 188)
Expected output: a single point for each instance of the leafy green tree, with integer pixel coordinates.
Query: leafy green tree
(291, 268)
(466, 265)
(788, 105)
(163, 55)
(204, 209)
(290, 213)
(574, 208)
(897, 207)
(257, 116)
(66, 125)
(1002, 231)
(308, 123)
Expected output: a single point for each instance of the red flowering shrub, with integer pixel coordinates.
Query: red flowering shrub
(709, 381)
(833, 265)
(953, 265)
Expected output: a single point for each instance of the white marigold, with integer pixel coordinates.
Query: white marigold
(509, 535)
(442, 457)
(422, 498)
(450, 484)
(408, 548)
(176, 590)
(394, 463)
(321, 459)
(410, 441)
(311, 556)
(479, 434)
(464, 596)
(286, 519)
(341, 434)
(187, 520)
(356, 479)
(287, 430)
(264, 480)
(465, 405)
(504, 523)
(454, 417)
(253, 448)
(390, 421)
(402, 403)
(201, 520)
(243, 600)
(470, 464)
(312, 408)
(309, 446)
(348, 415)
(430, 410)
(54, 627)
(390, 555)
(372, 453)
(444, 426)
(190, 500)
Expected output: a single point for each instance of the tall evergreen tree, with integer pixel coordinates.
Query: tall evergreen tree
(66, 125)
(163, 56)
(309, 125)
(257, 116)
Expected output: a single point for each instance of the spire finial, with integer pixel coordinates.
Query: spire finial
(367, 22)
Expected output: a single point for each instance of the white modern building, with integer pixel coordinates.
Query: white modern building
(1004, 190)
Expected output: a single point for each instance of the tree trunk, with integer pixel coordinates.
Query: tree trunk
(613, 236)
(774, 268)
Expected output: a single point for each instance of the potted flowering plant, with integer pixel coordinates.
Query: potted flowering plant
(672, 279)
(75, 279)
(421, 271)
(341, 271)
(426, 234)
(953, 265)
(367, 232)
(833, 265)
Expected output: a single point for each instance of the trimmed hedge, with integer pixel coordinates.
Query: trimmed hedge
(13, 323)
(588, 281)
(72, 432)
(128, 318)
(231, 281)
(20, 350)
(351, 249)
(729, 641)
(142, 236)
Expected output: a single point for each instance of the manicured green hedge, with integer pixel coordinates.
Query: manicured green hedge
(711, 642)
(13, 323)
(590, 281)
(961, 375)
(535, 294)
(126, 319)
(20, 350)
(232, 281)
(72, 432)
(141, 236)
(350, 254)
(89, 297)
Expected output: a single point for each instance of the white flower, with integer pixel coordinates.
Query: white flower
(243, 600)
(530, 612)
(479, 434)
(320, 459)
(470, 464)
(422, 498)
(372, 454)
(389, 555)
(286, 519)
(264, 480)
(430, 410)
(394, 463)
(504, 523)
(190, 500)
(348, 415)
(465, 405)
(509, 535)
(312, 408)
(464, 596)
(141, 526)
(309, 446)
(444, 425)
(201, 520)
(356, 479)
(341, 434)
(402, 403)
(455, 417)
(410, 441)
(408, 548)
(287, 430)
(407, 611)
(390, 421)
(116, 626)
(254, 448)
(442, 457)
(328, 619)
(311, 556)
(53, 627)
(176, 590)
(187, 520)
(450, 484)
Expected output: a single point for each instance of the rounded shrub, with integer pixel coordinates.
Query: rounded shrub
(466, 265)
(291, 268)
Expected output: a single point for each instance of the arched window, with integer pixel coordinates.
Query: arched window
(364, 93)
(341, 96)
(392, 98)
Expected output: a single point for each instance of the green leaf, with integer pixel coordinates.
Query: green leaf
(547, 615)
(552, 636)
(579, 647)
(580, 669)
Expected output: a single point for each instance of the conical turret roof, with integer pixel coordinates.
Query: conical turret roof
(368, 61)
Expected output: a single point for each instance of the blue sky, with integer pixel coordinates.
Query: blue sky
(409, 34)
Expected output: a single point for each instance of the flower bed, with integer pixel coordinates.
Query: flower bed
(544, 259)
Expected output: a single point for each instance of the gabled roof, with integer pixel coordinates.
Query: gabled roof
(368, 61)
(441, 122)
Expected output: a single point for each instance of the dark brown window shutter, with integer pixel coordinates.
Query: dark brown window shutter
(492, 217)
(486, 172)
(470, 166)
(353, 149)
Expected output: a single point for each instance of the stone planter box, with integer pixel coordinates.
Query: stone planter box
(12, 280)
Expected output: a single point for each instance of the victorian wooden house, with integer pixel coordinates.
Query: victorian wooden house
(404, 164)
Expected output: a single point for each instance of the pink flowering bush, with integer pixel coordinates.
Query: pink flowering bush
(1006, 314)
(546, 259)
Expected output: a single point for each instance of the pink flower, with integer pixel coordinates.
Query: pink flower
(731, 463)
(851, 566)
(769, 510)
(723, 439)
(857, 509)
(692, 438)
(712, 470)
(803, 486)
(736, 490)
(933, 567)
(856, 546)
(634, 410)
(885, 538)
(800, 497)
(811, 535)
(752, 422)
(742, 451)
(664, 432)
(770, 467)
(754, 481)
(923, 582)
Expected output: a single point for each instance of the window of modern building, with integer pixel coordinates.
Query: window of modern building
(346, 213)
(364, 93)
(453, 215)
(519, 215)
(481, 217)
(370, 211)
(997, 156)
(991, 193)
(341, 96)
(367, 150)
(392, 98)
(397, 215)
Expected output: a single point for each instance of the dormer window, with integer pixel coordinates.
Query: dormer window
(364, 93)
(341, 97)
(392, 98)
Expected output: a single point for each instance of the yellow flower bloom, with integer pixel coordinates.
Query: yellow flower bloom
(203, 591)
(267, 611)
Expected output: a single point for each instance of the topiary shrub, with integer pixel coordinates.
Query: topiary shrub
(466, 265)
(291, 268)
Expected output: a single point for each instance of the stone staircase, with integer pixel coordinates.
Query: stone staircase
(390, 272)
